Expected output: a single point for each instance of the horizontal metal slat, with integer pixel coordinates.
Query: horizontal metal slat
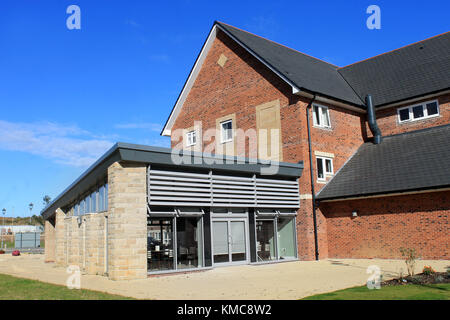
(181, 184)
(193, 194)
(169, 188)
(179, 174)
(164, 178)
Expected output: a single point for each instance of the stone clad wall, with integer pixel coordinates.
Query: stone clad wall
(95, 243)
(50, 242)
(83, 242)
(60, 238)
(127, 240)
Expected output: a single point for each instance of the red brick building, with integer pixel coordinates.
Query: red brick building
(366, 189)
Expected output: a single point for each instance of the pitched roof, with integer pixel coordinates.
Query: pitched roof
(415, 160)
(408, 72)
(304, 71)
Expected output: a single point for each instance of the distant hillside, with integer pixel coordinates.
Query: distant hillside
(35, 221)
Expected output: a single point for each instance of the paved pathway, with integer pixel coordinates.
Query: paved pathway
(288, 280)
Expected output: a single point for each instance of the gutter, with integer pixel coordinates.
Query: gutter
(316, 242)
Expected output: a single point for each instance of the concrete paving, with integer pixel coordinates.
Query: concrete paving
(288, 280)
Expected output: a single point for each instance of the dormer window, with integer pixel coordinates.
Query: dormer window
(321, 116)
(420, 111)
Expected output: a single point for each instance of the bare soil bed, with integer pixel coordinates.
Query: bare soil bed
(420, 279)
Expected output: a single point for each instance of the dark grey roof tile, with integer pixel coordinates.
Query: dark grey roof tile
(410, 161)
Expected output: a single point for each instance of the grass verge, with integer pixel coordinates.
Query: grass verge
(13, 288)
(402, 292)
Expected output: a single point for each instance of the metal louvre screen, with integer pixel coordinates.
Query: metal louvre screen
(196, 189)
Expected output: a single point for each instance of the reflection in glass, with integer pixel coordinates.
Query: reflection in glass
(238, 252)
(286, 238)
(189, 243)
(265, 244)
(220, 241)
(160, 244)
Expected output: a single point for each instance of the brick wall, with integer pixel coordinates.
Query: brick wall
(237, 87)
(242, 83)
(384, 225)
(387, 119)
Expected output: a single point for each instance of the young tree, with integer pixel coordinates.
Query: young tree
(46, 200)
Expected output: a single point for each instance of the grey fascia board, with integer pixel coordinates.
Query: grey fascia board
(93, 173)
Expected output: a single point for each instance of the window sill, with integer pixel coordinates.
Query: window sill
(321, 181)
(418, 120)
(323, 128)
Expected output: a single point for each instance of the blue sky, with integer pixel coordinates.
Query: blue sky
(67, 95)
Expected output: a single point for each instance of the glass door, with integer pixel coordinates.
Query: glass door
(237, 241)
(286, 238)
(229, 241)
(265, 240)
(160, 244)
(220, 242)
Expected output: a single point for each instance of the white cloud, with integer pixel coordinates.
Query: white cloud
(164, 58)
(63, 144)
(146, 126)
(132, 23)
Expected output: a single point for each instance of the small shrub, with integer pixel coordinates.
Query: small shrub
(410, 259)
(428, 270)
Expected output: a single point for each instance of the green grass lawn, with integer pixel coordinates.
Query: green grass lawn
(406, 292)
(13, 288)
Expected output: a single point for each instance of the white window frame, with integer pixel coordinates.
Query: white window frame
(321, 123)
(191, 138)
(324, 167)
(424, 108)
(222, 135)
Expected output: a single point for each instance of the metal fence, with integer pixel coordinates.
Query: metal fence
(27, 240)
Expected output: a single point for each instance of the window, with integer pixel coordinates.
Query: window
(275, 235)
(226, 128)
(101, 199)
(94, 202)
(191, 139)
(321, 116)
(418, 112)
(87, 204)
(324, 167)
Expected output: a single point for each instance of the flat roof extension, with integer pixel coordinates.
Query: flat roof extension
(164, 157)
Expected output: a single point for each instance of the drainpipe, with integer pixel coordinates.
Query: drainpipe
(372, 120)
(316, 244)
(106, 246)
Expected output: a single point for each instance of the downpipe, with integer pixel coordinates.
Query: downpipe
(316, 242)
